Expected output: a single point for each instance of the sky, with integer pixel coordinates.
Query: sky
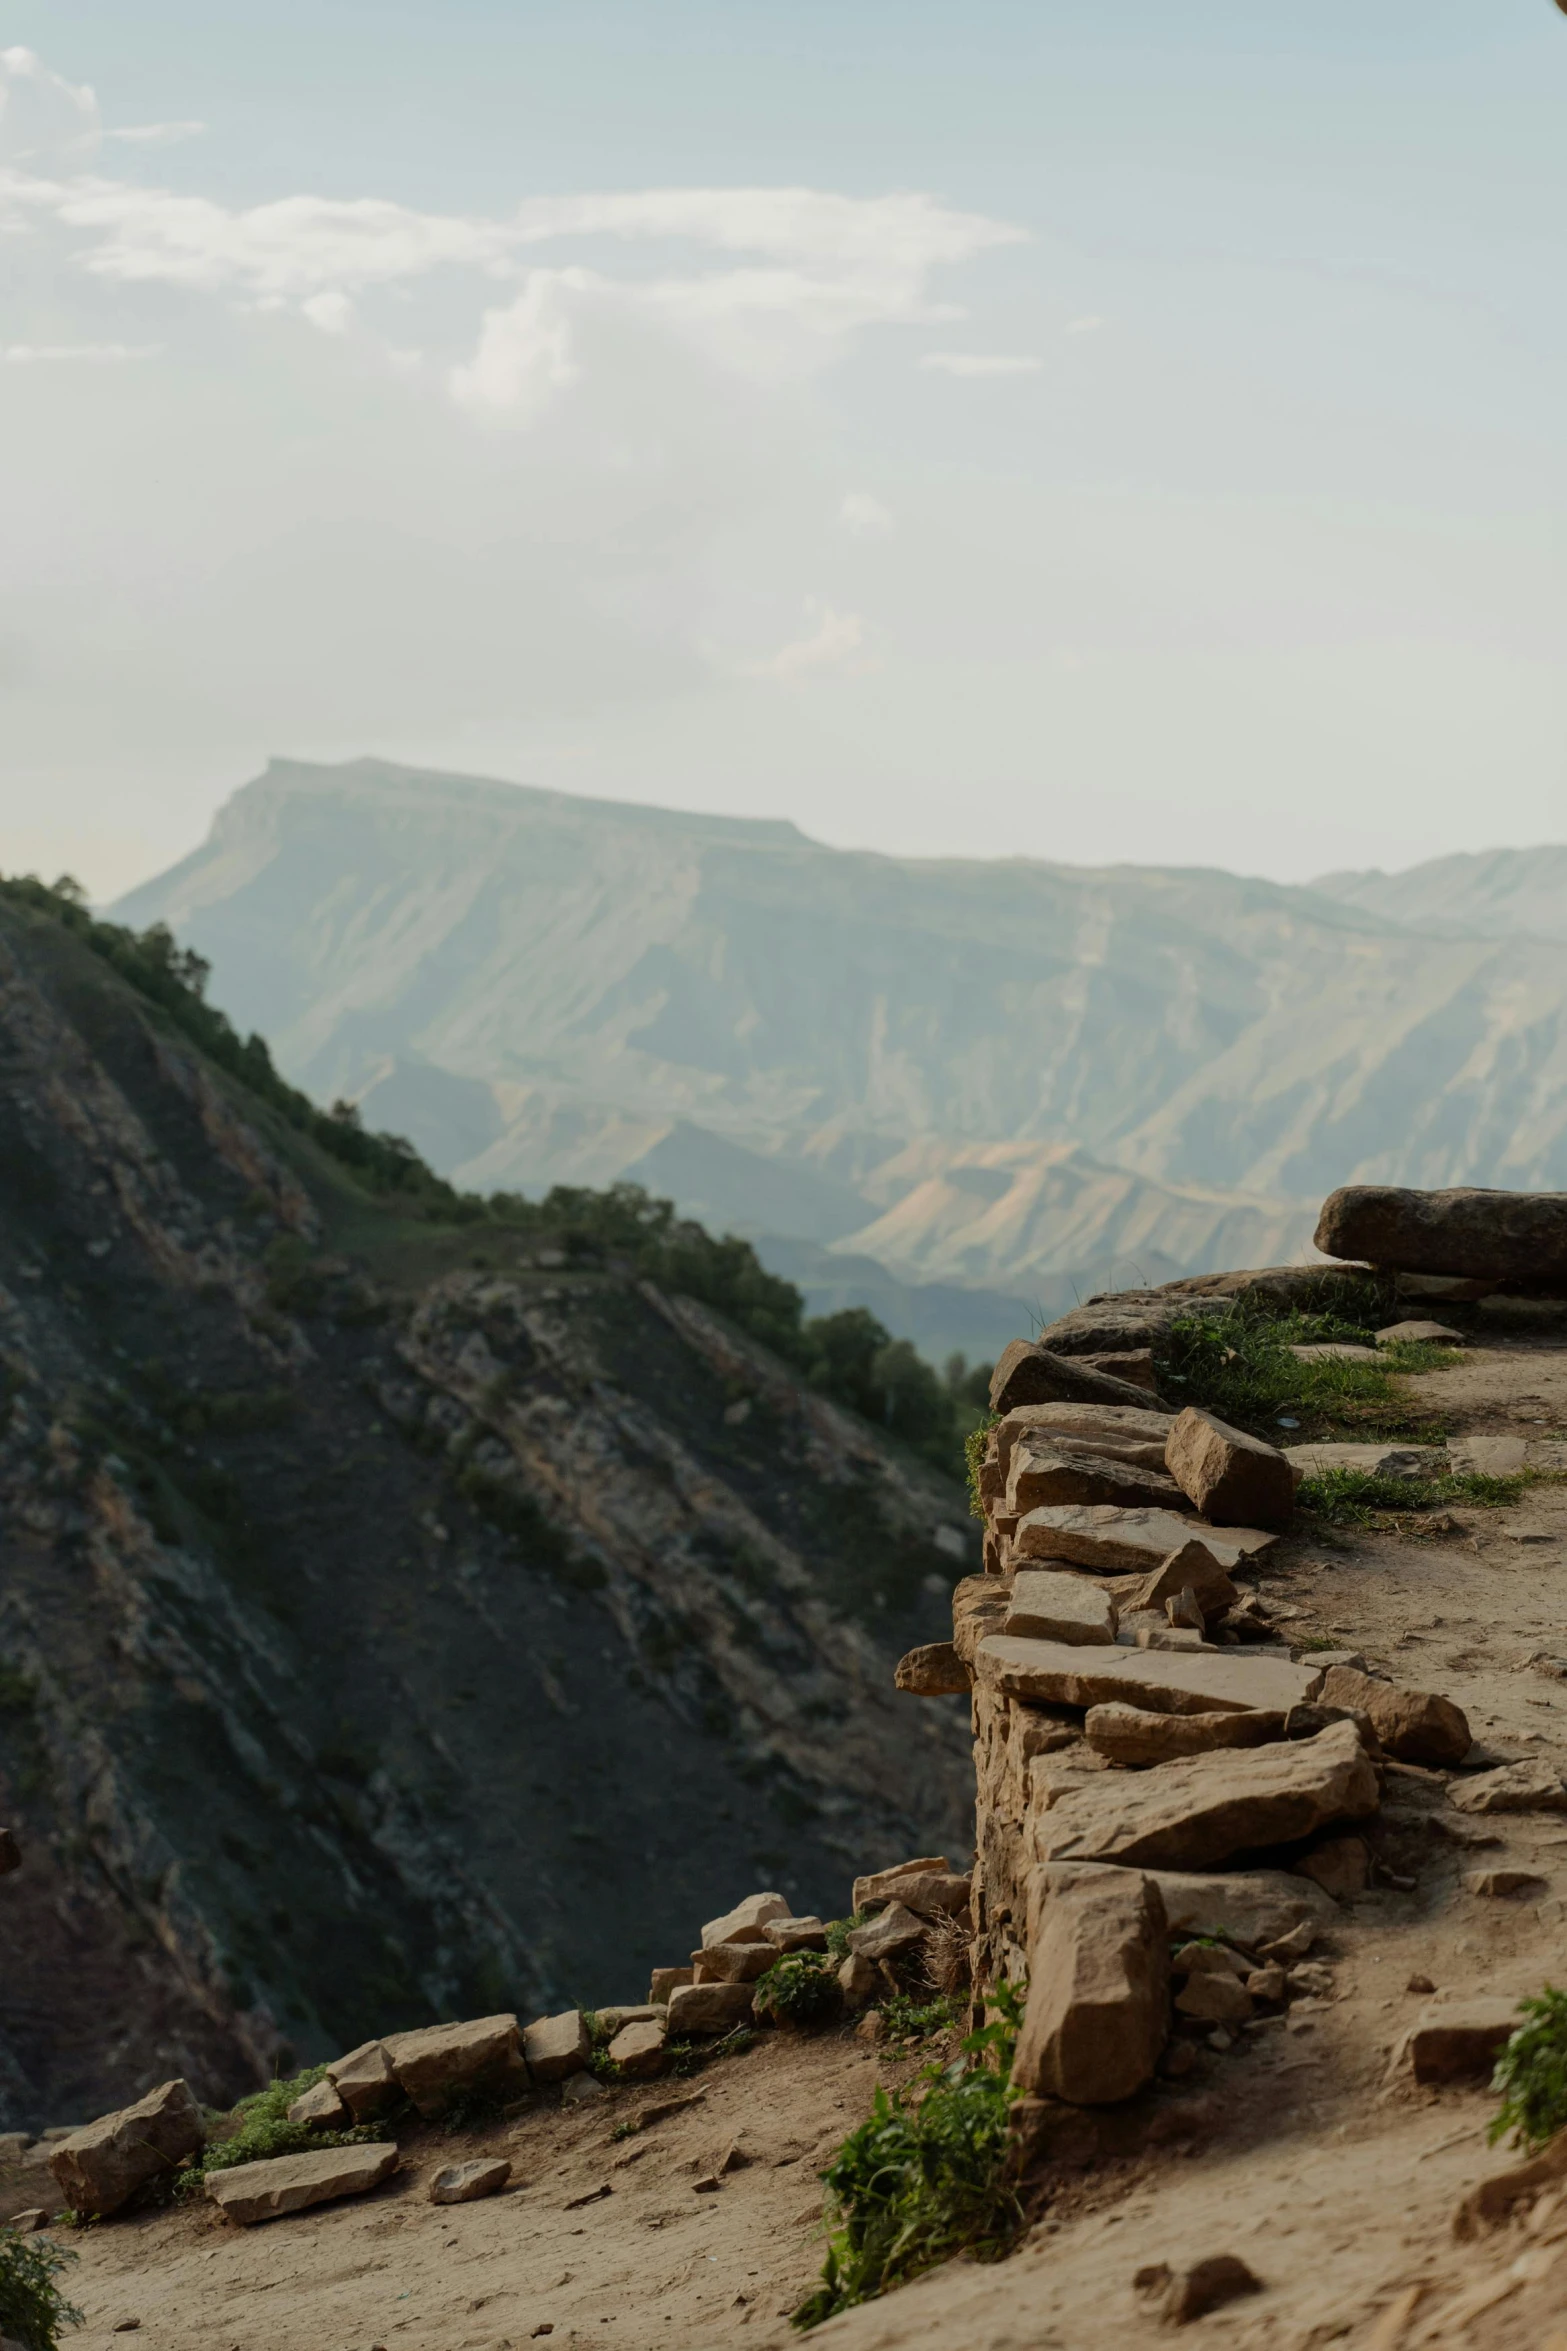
(1035, 427)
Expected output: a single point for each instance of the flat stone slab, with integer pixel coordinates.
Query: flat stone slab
(1067, 1608)
(1492, 1457)
(1372, 1461)
(252, 2192)
(1043, 1473)
(465, 2183)
(1330, 1351)
(1251, 1906)
(1431, 1334)
(1196, 1813)
(1128, 1542)
(1166, 1681)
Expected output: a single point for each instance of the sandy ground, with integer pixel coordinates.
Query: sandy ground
(1317, 2163)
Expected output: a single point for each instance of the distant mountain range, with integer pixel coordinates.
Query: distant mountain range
(960, 1089)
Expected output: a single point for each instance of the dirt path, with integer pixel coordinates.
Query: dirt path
(1332, 2181)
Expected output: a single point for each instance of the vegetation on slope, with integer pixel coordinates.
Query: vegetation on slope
(1241, 1365)
(850, 1356)
(1531, 2073)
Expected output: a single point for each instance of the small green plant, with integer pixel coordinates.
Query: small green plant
(32, 2307)
(1353, 1497)
(840, 1929)
(265, 2130)
(1531, 2073)
(800, 1990)
(927, 2175)
(919, 2020)
(974, 1449)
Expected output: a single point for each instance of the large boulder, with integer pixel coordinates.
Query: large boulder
(434, 2062)
(1203, 1811)
(280, 2184)
(1098, 2012)
(1233, 1479)
(101, 2166)
(1027, 1373)
(1479, 1235)
(1417, 1726)
(1171, 1681)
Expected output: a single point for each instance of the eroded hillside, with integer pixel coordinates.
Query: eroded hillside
(397, 1618)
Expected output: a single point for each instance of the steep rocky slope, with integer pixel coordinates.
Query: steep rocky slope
(396, 1618)
(884, 1056)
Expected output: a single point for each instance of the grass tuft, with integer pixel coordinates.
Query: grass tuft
(1239, 1365)
(799, 1990)
(265, 2131)
(1355, 1497)
(1531, 2073)
(927, 2175)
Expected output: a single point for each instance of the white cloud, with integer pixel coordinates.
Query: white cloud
(331, 311)
(524, 352)
(43, 117)
(158, 134)
(979, 363)
(96, 354)
(1089, 324)
(833, 644)
(864, 517)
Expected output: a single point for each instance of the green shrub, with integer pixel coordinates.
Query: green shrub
(1239, 1365)
(800, 1990)
(32, 2307)
(906, 2019)
(265, 2129)
(1531, 2073)
(926, 2176)
(840, 1929)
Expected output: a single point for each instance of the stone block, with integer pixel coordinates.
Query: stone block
(322, 2108)
(1043, 1472)
(638, 2050)
(797, 1934)
(1059, 1607)
(1479, 1235)
(1532, 1786)
(732, 1963)
(707, 2008)
(1459, 2040)
(745, 1922)
(889, 1935)
(934, 1670)
(252, 2192)
(465, 2183)
(1417, 1726)
(364, 2080)
(436, 2061)
(99, 2167)
(1128, 1542)
(1029, 1374)
(1209, 1681)
(1233, 1479)
(1132, 1736)
(666, 1980)
(554, 2046)
(1097, 2016)
(881, 1885)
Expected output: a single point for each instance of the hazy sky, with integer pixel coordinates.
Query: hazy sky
(1095, 431)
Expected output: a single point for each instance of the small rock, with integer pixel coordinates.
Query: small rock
(1190, 1567)
(1341, 1866)
(1177, 2062)
(1267, 1983)
(1415, 1725)
(98, 2167)
(1333, 1351)
(435, 2061)
(1233, 1479)
(1059, 1607)
(581, 2089)
(125, 2326)
(1420, 1983)
(1220, 2039)
(666, 1980)
(934, 1670)
(1097, 2016)
(1183, 1612)
(1532, 1786)
(797, 1934)
(895, 1931)
(708, 2008)
(364, 2080)
(1286, 1949)
(732, 1963)
(1458, 2040)
(1216, 1998)
(1497, 1882)
(555, 2046)
(734, 2158)
(1430, 1334)
(1210, 1959)
(705, 2187)
(322, 2108)
(872, 2027)
(638, 2050)
(1312, 1979)
(745, 1922)
(1206, 2286)
(858, 1980)
(465, 2183)
(27, 2224)
(884, 1885)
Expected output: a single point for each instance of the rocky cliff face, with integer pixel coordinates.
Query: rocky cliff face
(385, 1634)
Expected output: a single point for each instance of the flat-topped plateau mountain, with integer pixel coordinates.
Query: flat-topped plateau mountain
(994, 1075)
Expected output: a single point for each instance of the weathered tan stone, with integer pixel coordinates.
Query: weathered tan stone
(934, 1894)
(1534, 1786)
(364, 2080)
(934, 1670)
(1030, 1374)
(1192, 1567)
(435, 2061)
(1233, 1479)
(1496, 1884)
(252, 2192)
(1498, 2198)
(859, 1979)
(1128, 1542)
(732, 1963)
(1458, 2040)
(1415, 1725)
(465, 2183)
(666, 1980)
(1258, 1908)
(1059, 1607)
(322, 2107)
(881, 1885)
(1490, 1457)
(1098, 2002)
(1131, 1735)
(1207, 2285)
(638, 2050)
(1214, 1996)
(1193, 1814)
(100, 2166)
(894, 1931)
(745, 1922)
(1428, 1334)
(797, 1934)
(707, 2008)
(979, 1606)
(1375, 1461)
(1341, 1866)
(1127, 1363)
(1209, 1681)
(1043, 1472)
(1483, 1235)
(1333, 1351)
(554, 2046)
(1121, 1432)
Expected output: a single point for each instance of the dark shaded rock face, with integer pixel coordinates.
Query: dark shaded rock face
(1487, 1236)
(386, 1635)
